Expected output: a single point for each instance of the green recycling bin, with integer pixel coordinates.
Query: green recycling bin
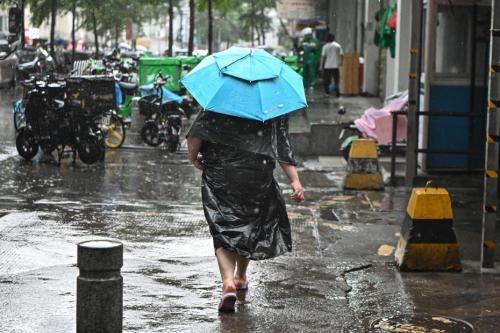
(188, 63)
(150, 66)
(293, 62)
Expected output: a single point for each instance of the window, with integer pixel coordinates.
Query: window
(453, 40)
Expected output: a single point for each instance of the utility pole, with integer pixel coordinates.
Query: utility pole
(490, 196)
(414, 91)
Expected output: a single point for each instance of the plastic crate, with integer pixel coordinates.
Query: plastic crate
(95, 94)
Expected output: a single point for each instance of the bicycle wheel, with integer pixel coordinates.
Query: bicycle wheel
(90, 149)
(26, 144)
(150, 133)
(115, 133)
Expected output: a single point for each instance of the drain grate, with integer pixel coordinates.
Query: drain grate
(421, 324)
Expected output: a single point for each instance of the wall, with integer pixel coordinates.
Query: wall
(371, 51)
(342, 22)
(4, 20)
(398, 68)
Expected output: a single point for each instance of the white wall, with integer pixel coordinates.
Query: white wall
(371, 68)
(342, 22)
(398, 68)
(4, 20)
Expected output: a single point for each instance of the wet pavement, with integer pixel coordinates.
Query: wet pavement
(340, 276)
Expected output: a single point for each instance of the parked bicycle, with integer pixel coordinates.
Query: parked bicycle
(56, 122)
(163, 118)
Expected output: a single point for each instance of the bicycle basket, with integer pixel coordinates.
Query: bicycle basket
(95, 94)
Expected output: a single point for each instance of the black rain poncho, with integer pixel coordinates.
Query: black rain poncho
(241, 199)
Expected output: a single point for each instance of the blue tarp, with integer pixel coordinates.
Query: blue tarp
(149, 89)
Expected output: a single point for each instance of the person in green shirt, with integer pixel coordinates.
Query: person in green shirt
(311, 48)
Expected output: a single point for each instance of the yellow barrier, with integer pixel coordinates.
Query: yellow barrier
(427, 241)
(363, 172)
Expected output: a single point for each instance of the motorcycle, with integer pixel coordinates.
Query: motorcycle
(54, 122)
(377, 124)
(163, 118)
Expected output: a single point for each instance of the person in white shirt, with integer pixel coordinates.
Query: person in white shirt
(331, 60)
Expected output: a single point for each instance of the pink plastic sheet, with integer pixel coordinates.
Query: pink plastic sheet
(376, 124)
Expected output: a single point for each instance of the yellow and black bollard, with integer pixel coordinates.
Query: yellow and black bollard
(363, 171)
(427, 241)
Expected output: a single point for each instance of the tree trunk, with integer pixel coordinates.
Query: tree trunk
(23, 37)
(53, 14)
(170, 27)
(96, 37)
(117, 31)
(192, 13)
(210, 27)
(252, 36)
(73, 23)
(262, 28)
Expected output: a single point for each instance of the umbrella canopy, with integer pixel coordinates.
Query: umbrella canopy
(246, 83)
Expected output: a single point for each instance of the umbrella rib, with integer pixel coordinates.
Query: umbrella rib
(247, 55)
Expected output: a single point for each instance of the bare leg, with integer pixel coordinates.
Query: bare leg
(240, 277)
(227, 265)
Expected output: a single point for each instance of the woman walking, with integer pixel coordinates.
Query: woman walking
(241, 199)
(237, 141)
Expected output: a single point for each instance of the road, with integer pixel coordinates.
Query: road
(340, 276)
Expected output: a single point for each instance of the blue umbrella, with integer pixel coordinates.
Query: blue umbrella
(246, 83)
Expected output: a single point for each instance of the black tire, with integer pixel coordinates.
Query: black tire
(26, 144)
(173, 143)
(90, 149)
(150, 134)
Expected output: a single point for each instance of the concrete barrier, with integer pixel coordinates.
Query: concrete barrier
(427, 241)
(99, 300)
(363, 171)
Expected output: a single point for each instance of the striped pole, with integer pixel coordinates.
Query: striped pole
(492, 148)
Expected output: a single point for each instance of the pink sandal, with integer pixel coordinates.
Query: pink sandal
(227, 302)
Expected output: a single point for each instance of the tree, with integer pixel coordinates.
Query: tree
(223, 6)
(192, 15)
(44, 10)
(73, 29)
(210, 27)
(227, 27)
(53, 18)
(255, 19)
(170, 27)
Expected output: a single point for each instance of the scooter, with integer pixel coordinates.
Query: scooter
(365, 127)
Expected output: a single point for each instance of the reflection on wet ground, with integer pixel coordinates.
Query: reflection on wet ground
(339, 277)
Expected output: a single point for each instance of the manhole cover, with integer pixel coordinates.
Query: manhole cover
(421, 324)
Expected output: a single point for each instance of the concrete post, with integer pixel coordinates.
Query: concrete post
(403, 39)
(99, 300)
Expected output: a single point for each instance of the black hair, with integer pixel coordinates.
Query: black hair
(331, 37)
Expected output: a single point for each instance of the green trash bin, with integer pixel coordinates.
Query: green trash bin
(149, 67)
(293, 62)
(188, 63)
